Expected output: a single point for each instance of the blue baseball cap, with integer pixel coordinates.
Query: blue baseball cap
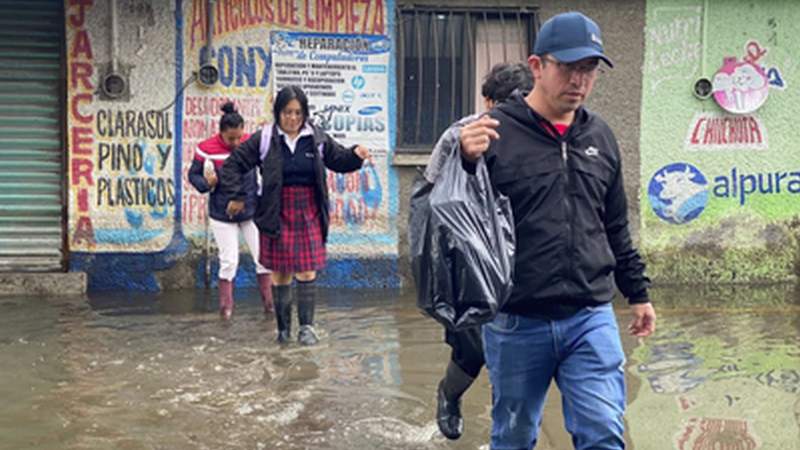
(570, 37)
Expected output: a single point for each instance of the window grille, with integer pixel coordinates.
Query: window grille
(442, 56)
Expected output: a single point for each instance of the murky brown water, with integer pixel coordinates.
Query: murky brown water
(143, 372)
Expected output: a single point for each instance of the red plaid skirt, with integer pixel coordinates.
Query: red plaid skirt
(299, 247)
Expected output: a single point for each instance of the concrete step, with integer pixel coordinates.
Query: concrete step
(58, 283)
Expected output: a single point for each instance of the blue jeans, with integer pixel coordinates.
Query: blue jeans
(584, 355)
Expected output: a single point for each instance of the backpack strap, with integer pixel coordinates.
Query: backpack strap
(321, 144)
(266, 142)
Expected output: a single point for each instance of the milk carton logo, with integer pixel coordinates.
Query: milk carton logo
(740, 87)
(678, 193)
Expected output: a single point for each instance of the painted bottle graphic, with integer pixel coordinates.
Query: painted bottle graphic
(740, 87)
(355, 197)
(370, 185)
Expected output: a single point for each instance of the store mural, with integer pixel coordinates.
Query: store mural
(719, 194)
(129, 194)
(363, 204)
(121, 155)
(346, 78)
(81, 83)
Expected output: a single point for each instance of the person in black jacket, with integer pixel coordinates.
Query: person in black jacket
(203, 174)
(466, 358)
(560, 166)
(292, 212)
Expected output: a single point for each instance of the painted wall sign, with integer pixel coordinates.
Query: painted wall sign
(132, 212)
(81, 82)
(123, 188)
(678, 193)
(674, 44)
(712, 131)
(346, 78)
(250, 72)
(719, 192)
(742, 86)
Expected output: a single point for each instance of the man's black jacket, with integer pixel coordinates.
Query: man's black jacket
(570, 211)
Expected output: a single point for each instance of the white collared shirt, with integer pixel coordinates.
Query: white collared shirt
(292, 143)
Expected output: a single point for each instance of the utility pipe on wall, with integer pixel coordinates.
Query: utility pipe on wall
(113, 85)
(114, 65)
(210, 4)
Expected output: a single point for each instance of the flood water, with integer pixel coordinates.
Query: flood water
(163, 372)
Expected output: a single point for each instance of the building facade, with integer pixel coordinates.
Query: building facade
(105, 102)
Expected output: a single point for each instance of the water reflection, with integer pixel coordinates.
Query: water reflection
(141, 372)
(722, 376)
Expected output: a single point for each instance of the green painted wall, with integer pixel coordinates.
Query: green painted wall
(733, 216)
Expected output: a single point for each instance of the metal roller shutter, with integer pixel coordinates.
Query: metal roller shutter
(31, 127)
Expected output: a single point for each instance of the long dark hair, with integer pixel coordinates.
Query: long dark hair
(230, 117)
(287, 94)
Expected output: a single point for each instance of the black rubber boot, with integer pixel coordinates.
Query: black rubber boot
(306, 300)
(283, 312)
(448, 401)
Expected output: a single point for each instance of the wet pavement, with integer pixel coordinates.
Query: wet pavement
(162, 372)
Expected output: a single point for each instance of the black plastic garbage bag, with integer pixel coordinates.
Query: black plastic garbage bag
(461, 234)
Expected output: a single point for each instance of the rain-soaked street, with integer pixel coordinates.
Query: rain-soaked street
(162, 372)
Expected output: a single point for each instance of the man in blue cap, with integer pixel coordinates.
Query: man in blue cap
(560, 166)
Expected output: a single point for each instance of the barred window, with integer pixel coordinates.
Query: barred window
(442, 57)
